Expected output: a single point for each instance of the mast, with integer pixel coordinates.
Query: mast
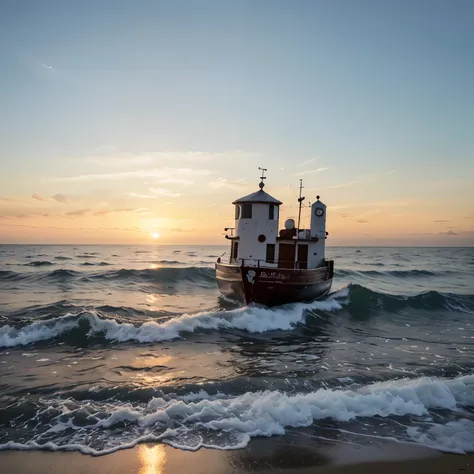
(300, 200)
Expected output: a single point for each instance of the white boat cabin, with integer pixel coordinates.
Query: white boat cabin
(257, 240)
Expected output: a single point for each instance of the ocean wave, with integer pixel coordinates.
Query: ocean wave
(391, 273)
(60, 257)
(196, 275)
(7, 275)
(199, 276)
(93, 324)
(62, 274)
(39, 263)
(226, 421)
(364, 300)
(454, 436)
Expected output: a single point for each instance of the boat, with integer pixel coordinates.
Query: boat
(269, 266)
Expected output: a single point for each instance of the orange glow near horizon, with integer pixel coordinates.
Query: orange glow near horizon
(357, 214)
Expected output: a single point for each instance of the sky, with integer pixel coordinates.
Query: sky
(124, 121)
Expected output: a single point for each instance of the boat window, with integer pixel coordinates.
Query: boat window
(246, 211)
(237, 212)
(235, 250)
(271, 212)
(270, 258)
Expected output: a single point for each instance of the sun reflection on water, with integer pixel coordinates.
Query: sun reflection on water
(152, 458)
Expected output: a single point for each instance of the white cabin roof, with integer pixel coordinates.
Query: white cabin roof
(258, 197)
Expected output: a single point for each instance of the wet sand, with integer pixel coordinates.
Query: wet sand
(264, 456)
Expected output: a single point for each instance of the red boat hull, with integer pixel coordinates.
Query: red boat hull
(273, 286)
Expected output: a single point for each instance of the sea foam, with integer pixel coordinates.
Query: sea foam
(253, 319)
(229, 422)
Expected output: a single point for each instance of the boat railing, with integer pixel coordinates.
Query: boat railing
(262, 263)
(328, 265)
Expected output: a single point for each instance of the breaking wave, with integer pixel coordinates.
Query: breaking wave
(144, 328)
(91, 324)
(226, 421)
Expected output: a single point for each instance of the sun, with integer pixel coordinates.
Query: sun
(155, 235)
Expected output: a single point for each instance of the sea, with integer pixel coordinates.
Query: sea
(105, 347)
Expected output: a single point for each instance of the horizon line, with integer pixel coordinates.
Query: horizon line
(225, 245)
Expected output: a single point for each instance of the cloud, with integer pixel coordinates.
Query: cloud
(153, 173)
(15, 200)
(163, 192)
(127, 159)
(344, 215)
(383, 204)
(178, 229)
(143, 211)
(341, 185)
(101, 213)
(317, 170)
(22, 216)
(60, 198)
(129, 229)
(173, 181)
(78, 213)
(362, 221)
(449, 233)
(441, 221)
(47, 67)
(142, 196)
(122, 160)
(104, 212)
(307, 162)
(132, 229)
(38, 197)
(225, 183)
(57, 197)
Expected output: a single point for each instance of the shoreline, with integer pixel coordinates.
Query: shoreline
(275, 455)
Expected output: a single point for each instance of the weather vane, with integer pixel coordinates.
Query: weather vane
(262, 184)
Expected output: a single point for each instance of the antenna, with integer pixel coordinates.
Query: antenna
(262, 184)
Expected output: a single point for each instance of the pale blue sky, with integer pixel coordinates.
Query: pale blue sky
(367, 87)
